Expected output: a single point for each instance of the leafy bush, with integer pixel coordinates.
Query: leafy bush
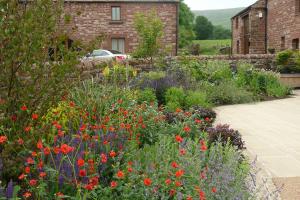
(147, 95)
(224, 134)
(196, 99)
(175, 95)
(288, 61)
(228, 93)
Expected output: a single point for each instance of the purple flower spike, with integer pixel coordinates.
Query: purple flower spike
(10, 190)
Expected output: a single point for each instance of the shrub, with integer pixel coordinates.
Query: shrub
(224, 134)
(288, 61)
(228, 93)
(147, 95)
(283, 57)
(196, 99)
(175, 95)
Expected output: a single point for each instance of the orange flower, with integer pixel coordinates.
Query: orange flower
(47, 151)
(39, 145)
(129, 169)
(72, 104)
(27, 170)
(27, 129)
(20, 141)
(172, 192)
(3, 139)
(189, 198)
(80, 162)
(112, 154)
(120, 174)
(178, 183)
(103, 158)
(42, 174)
(178, 138)
(34, 116)
(33, 154)
(113, 184)
(65, 149)
(182, 152)
(27, 195)
(147, 181)
(30, 161)
(179, 173)
(21, 177)
(214, 189)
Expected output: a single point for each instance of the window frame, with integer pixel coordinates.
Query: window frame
(120, 13)
(118, 39)
(296, 44)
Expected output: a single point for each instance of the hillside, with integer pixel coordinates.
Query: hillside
(219, 17)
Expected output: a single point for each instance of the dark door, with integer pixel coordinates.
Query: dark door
(246, 35)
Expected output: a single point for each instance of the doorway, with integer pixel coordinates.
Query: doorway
(246, 36)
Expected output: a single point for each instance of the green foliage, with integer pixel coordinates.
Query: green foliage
(175, 95)
(283, 57)
(203, 28)
(150, 30)
(147, 95)
(212, 47)
(288, 61)
(196, 98)
(220, 33)
(186, 20)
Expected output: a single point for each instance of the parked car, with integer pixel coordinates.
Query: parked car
(106, 55)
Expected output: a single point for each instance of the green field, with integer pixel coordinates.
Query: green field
(211, 47)
(219, 17)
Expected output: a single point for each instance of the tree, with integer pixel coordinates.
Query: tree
(186, 19)
(150, 30)
(203, 28)
(220, 32)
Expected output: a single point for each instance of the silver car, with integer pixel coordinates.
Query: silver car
(106, 55)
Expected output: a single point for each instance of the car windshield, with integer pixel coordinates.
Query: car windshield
(115, 52)
(99, 53)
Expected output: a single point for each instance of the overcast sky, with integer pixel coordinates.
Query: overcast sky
(217, 4)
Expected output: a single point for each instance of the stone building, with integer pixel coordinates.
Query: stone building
(114, 19)
(266, 26)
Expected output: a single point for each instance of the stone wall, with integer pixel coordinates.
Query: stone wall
(283, 23)
(91, 19)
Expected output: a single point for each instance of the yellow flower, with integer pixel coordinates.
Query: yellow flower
(106, 71)
(134, 73)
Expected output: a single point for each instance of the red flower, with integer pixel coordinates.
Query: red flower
(3, 139)
(179, 173)
(65, 149)
(59, 194)
(32, 182)
(112, 154)
(89, 187)
(39, 145)
(27, 195)
(23, 108)
(168, 181)
(27, 170)
(178, 183)
(129, 169)
(21, 177)
(113, 184)
(198, 121)
(189, 198)
(120, 174)
(207, 119)
(214, 189)
(187, 129)
(80, 162)
(42, 174)
(203, 147)
(147, 181)
(47, 151)
(103, 158)
(174, 164)
(20, 141)
(178, 138)
(27, 129)
(30, 161)
(82, 172)
(34, 116)
(182, 152)
(72, 104)
(56, 150)
(178, 110)
(172, 192)
(14, 118)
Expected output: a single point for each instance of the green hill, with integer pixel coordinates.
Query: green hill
(219, 17)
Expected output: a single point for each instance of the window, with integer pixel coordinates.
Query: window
(282, 45)
(99, 53)
(238, 47)
(118, 44)
(297, 7)
(116, 13)
(295, 44)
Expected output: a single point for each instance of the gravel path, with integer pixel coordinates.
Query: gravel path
(271, 131)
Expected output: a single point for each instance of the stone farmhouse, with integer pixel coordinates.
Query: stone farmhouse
(115, 20)
(267, 26)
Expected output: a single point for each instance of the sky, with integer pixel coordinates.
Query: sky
(217, 4)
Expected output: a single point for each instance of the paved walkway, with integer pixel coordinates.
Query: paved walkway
(271, 131)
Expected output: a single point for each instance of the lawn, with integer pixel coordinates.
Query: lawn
(211, 47)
